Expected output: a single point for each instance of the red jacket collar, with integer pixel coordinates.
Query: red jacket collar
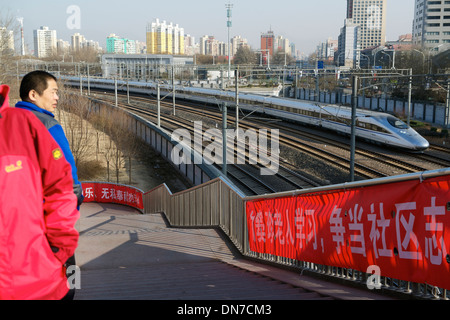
(4, 92)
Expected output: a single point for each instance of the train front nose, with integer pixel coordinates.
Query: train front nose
(415, 140)
(421, 144)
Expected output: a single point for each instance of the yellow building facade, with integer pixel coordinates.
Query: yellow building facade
(163, 38)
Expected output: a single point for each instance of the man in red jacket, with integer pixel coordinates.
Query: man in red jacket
(38, 209)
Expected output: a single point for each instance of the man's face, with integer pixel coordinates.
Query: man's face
(49, 98)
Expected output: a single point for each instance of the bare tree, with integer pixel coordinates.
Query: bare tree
(74, 121)
(102, 121)
(282, 58)
(125, 141)
(245, 55)
(121, 143)
(8, 63)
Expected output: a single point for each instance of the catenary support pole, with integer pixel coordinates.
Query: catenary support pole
(353, 129)
(224, 139)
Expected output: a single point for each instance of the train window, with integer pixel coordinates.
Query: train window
(380, 129)
(362, 124)
(397, 123)
(371, 127)
(341, 120)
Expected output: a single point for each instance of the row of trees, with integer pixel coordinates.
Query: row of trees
(420, 60)
(99, 137)
(246, 56)
(96, 138)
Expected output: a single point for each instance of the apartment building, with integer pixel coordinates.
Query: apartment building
(77, 41)
(348, 45)
(6, 40)
(210, 46)
(236, 43)
(164, 38)
(45, 42)
(115, 44)
(326, 50)
(268, 42)
(431, 26)
(370, 15)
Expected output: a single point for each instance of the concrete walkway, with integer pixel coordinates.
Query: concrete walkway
(124, 255)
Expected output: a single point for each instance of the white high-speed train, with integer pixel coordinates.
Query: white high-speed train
(376, 127)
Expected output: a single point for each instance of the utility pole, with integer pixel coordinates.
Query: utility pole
(236, 77)
(409, 96)
(88, 80)
(173, 89)
(115, 91)
(158, 94)
(353, 130)
(128, 92)
(317, 82)
(81, 84)
(447, 106)
(224, 139)
(229, 6)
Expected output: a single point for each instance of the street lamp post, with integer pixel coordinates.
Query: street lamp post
(393, 57)
(389, 58)
(367, 57)
(429, 56)
(375, 59)
(423, 62)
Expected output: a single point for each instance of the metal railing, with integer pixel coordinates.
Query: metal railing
(218, 203)
(214, 204)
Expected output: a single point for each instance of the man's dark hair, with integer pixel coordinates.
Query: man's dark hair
(35, 80)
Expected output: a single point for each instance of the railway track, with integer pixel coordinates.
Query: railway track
(398, 164)
(294, 138)
(364, 172)
(289, 138)
(438, 155)
(243, 175)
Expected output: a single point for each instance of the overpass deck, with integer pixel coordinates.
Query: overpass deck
(124, 255)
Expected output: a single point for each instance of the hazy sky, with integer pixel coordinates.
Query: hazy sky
(304, 22)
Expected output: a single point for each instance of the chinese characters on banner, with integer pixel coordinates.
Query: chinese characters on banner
(403, 228)
(113, 193)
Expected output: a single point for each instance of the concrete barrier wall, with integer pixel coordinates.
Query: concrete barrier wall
(432, 112)
(160, 140)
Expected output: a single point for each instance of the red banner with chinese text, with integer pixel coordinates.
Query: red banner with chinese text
(113, 193)
(403, 228)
